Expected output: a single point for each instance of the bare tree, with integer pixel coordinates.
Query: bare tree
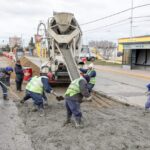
(106, 47)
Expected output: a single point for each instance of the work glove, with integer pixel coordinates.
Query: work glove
(52, 91)
(89, 99)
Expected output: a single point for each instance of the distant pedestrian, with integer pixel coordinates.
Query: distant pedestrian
(31, 46)
(92, 74)
(5, 74)
(147, 104)
(19, 75)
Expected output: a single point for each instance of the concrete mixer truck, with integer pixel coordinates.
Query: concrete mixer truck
(63, 35)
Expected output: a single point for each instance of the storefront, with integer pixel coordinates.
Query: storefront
(136, 53)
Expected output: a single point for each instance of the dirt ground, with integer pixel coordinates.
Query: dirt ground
(116, 127)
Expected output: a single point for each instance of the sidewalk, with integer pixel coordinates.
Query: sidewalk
(133, 73)
(126, 86)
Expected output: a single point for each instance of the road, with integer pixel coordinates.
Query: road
(121, 86)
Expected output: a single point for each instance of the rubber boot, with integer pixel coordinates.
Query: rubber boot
(41, 112)
(35, 108)
(78, 123)
(5, 97)
(22, 101)
(147, 110)
(68, 121)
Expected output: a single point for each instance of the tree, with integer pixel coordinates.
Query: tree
(106, 47)
(6, 48)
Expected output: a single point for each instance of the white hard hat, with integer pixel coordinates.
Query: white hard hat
(91, 65)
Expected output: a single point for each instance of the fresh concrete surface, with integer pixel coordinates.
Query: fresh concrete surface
(12, 132)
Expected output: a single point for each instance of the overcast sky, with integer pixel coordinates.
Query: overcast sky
(21, 17)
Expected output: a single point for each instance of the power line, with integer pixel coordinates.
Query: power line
(142, 17)
(109, 16)
(108, 25)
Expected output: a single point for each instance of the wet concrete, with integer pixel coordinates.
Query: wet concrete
(12, 130)
(116, 127)
(113, 128)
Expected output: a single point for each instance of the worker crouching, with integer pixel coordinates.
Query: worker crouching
(73, 97)
(92, 74)
(5, 74)
(35, 89)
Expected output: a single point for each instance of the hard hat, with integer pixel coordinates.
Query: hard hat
(91, 65)
(86, 77)
(50, 75)
(7, 69)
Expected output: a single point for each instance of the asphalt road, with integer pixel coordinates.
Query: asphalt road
(123, 87)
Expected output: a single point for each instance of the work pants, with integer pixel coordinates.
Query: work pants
(90, 87)
(147, 104)
(19, 85)
(73, 108)
(37, 98)
(4, 89)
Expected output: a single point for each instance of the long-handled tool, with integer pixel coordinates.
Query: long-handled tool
(13, 93)
(59, 98)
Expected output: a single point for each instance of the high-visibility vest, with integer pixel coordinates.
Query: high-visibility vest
(92, 79)
(35, 85)
(74, 87)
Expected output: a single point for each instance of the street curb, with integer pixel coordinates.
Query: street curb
(102, 94)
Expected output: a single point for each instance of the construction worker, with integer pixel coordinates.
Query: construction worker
(147, 104)
(19, 75)
(35, 89)
(73, 97)
(5, 74)
(92, 74)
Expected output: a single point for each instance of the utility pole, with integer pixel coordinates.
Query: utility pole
(131, 21)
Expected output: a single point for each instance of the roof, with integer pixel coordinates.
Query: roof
(136, 39)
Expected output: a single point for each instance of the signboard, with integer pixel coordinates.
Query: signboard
(136, 46)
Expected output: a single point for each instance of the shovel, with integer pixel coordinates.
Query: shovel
(59, 98)
(11, 91)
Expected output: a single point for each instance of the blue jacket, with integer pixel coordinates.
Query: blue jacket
(92, 74)
(46, 85)
(148, 87)
(4, 76)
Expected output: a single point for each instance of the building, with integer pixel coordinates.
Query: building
(13, 41)
(136, 52)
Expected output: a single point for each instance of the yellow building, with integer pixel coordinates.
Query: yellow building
(136, 51)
